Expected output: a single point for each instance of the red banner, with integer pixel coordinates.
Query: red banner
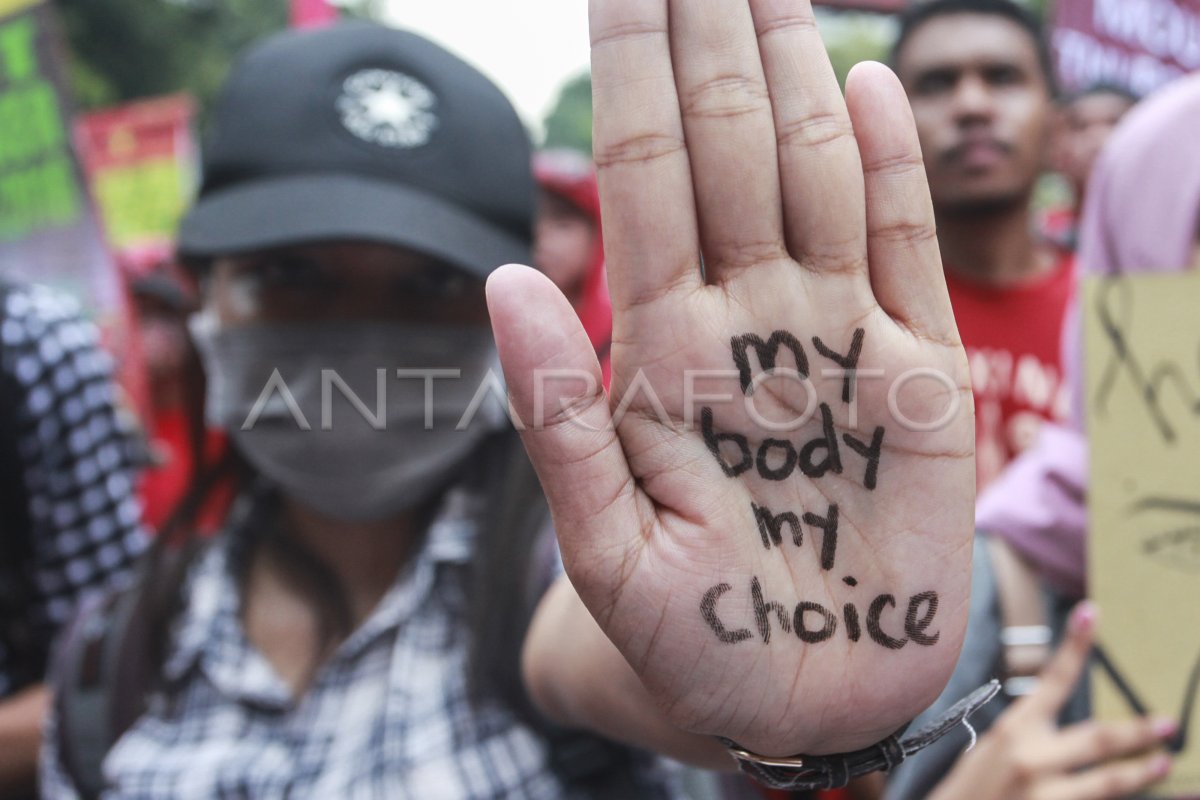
(1137, 44)
(141, 166)
(312, 13)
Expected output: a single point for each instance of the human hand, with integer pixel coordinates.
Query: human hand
(796, 589)
(1025, 756)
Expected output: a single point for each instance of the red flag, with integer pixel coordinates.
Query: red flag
(312, 13)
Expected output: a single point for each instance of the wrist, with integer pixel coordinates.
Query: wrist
(809, 772)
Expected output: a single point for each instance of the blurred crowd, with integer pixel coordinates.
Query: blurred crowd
(233, 597)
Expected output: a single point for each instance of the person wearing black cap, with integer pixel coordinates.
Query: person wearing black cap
(378, 617)
(356, 628)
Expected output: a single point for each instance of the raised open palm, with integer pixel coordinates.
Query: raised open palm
(776, 530)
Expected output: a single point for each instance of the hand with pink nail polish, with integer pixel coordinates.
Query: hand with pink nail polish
(1026, 756)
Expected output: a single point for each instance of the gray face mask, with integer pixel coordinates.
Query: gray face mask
(320, 409)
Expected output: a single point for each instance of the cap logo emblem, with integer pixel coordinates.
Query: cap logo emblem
(388, 108)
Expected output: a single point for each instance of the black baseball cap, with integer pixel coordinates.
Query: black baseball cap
(363, 132)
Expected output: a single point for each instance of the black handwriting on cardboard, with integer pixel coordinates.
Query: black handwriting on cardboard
(1114, 309)
(1178, 546)
(1177, 743)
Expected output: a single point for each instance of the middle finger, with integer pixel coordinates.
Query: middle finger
(823, 193)
(730, 134)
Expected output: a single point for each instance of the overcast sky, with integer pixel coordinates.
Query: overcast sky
(528, 47)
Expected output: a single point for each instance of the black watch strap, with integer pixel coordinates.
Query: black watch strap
(807, 773)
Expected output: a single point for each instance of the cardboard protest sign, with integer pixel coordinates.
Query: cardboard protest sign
(140, 159)
(1142, 336)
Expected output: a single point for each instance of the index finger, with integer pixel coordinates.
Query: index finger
(1122, 779)
(1096, 742)
(648, 206)
(1058, 679)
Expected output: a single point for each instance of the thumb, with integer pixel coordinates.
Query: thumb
(554, 381)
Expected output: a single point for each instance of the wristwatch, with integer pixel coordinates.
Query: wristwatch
(807, 773)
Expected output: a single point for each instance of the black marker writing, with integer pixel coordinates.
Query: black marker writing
(708, 609)
(848, 362)
(768, 354)
(832, 462)
(873, 628)
(770, 526)
(814, 623)
(777, 460)
(714, 441)
(1177, 743)
(1115, 318)
(1178, 547)
(914, 627)
(810, 635)
(870, 452)
(850, 614)
(829, 529)
(785, 468)
(763, 611)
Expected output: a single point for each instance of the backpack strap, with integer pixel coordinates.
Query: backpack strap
(595, 768)
(104, 675)
(513, 524)
(14, 497)
(16, 525)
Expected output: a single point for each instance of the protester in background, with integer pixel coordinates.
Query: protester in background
(179, 441)
(351, 591)
(1085, 121)
(1142, 215)
(979, 78)
(1027, 756)
(68, 513)
(567, 242)
(358, 623)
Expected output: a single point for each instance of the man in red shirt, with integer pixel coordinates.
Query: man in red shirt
(567, 242)
(979, 79)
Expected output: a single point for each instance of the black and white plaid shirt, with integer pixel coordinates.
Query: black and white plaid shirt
(76, 462)
(387, 716)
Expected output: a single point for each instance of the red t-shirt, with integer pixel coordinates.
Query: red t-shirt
(164, 485)
(1012, 337)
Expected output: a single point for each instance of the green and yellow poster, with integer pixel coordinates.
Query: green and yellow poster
(141, 164)
(48, 231)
